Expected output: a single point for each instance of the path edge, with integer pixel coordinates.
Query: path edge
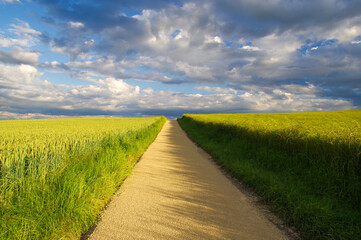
(90, 231)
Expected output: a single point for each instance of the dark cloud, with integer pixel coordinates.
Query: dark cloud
(112, 96)
(260, 19)
(19, 56)
(278, 55)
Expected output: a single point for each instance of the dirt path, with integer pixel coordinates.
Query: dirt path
(176, 192)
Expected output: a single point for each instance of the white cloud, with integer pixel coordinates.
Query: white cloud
(119, 88)
(9, 1)
(25, 91)
(24, 35)
(304, 91)
(199, 73)
(181, 35)
(76, 24)
(29, 73)
(101, 65)
(19, 56)
(193, 43)
(19, 74)
(217, 89)
(23, 28)
(250, 48)
(345, 31)
(5, 115)
(216, 39)
(74, 51)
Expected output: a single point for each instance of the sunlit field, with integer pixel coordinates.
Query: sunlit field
(57, 174)
(306, 165)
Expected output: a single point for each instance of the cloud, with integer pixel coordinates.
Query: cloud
(217, 89)
(283, 56)
(23, 34)
(25, 95)
(251, 20)
(219, 42)
(250, 48)
(76, 24)
(4, 115)
(9, 1)
(14, 76)
(78, 50)
(19, 56)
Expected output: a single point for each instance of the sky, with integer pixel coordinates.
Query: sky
(134, 58)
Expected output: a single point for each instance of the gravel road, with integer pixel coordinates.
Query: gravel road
(177, 192)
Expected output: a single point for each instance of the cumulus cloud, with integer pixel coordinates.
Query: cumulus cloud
(4, 115)
(217, 89)
(20, 74)
(283, 56)
(19, 56)
(188, 42)
(114, 97)
(80, 49)
(23, 34)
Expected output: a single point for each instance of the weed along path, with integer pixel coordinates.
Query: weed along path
(177, 192)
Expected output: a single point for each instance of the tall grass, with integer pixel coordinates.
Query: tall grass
(307, 165)
(61, 173)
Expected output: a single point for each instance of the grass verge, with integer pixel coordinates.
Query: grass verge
(319, 198)
(66, 201)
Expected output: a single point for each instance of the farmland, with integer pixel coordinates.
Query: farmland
(56, 175)
(306, 166)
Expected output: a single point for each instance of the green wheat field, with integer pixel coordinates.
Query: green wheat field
(307, 166)
(56, 175)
